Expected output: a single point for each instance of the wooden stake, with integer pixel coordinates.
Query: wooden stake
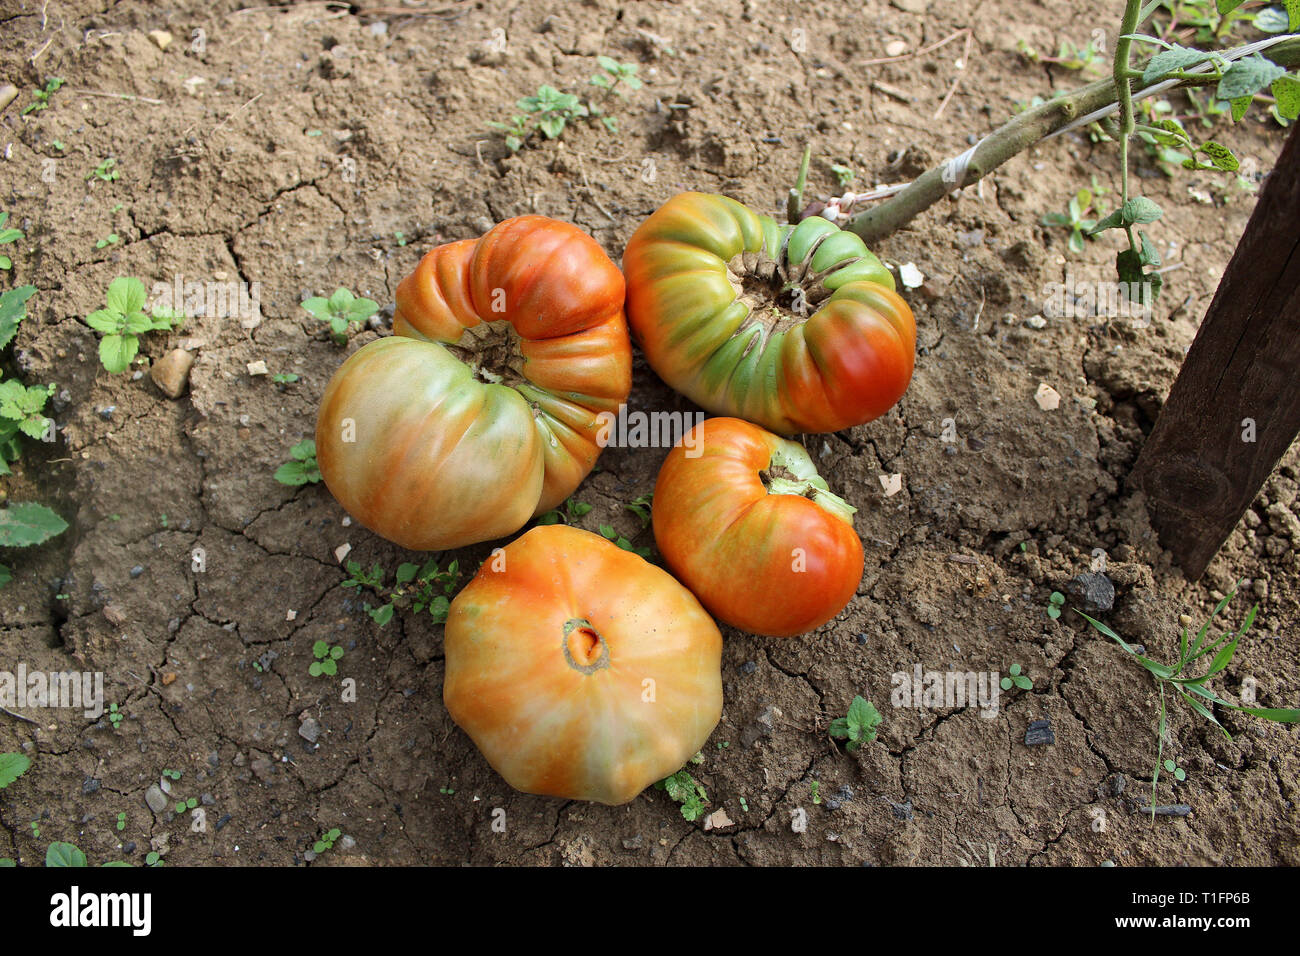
(1235, 406)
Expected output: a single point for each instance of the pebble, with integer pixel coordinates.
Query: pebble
(137, 570)
(633, 843)
(1048, 398)
(223, 821)
(161, 38)
(346, 842)
(1036, 322)
(89, 785)
(309, 730)
(895, 48)
(171, 373)
(1039, 733)
(309, 856)
(1168, 810)
(155, 799)
(106, 412)
(263, 769)
(1118, 783)
(208, 800)
(748, 668)
(7, 93)
(257, 368)
(1093, 590)
(129, 847)
(902, 811)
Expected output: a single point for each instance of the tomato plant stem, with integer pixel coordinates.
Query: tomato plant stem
(1013, 138)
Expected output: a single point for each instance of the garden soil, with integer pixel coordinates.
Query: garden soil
(298, 148)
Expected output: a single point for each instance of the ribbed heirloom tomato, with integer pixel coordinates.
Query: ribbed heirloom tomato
(482, 410)
(744, 521)
(579, 669)
(719, 298)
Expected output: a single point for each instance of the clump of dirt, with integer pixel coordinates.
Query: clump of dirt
(299, 148)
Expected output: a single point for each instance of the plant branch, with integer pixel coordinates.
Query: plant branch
(1013, 138)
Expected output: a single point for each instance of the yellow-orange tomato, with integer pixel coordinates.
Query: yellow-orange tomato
(580, 670)
(484, 408)
(744, 521)
(797, 328)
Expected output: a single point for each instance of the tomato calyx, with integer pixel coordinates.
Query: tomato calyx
(584, 649)
(782, 288)
(492, 352)
(790, 471)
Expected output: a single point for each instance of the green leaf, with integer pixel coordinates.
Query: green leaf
(296, 473)
(137, 323)
(6, 575)
(1282, 715)
(329, 666)
(1292, 14)
(315, 670)
(117, 351)
(64, 854)
(578, 508)
(1139, 209)
(382, 614)
(336, 651)
(551, 126)
(28, 523)
(1220, 156)
(1227, 6)
(1113, 220)
(12, 311)
(1286, 90)
(320, 649)
(1247, 77)
(317, 306)
(1270, 20)
(106, 321)
(305, 450)
(406, 572)
(1239, 107)
(12, 766)
(1167, 61)
(126, 295)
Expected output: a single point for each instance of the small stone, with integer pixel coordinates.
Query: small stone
(895, 48)
(633, 843)
(902, 811)
(290, 615)
(208, 800)
(346, 842)
(263, 769)
(341, 552)
(155, 799)
(748, 667)
(114, 615)
(223, 821)
(106, 412)
(912, 276)
(171, 373)
(309, 730)
(717, 820)
(1093, 590)
(137, 570)
(912, 6)
(1039, 733)
(161, 39)
(1117, 784)
(90, 785)
(1036, 322)
(257, 368)
(129, 847)
(7, 93)
(168, 679)
(309, 856)
(1048, 398)
(378, 28)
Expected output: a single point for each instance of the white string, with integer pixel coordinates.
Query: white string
(954, 170)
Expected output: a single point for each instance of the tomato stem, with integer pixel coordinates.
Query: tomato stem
(791, 471)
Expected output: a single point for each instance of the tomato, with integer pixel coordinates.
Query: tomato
(580, 670)
(483, 409)
(744, 520)
(717, 297)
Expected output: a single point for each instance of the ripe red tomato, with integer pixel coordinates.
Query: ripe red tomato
(744, 521)
(719, 299)
(579, 669)
(482, 410)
